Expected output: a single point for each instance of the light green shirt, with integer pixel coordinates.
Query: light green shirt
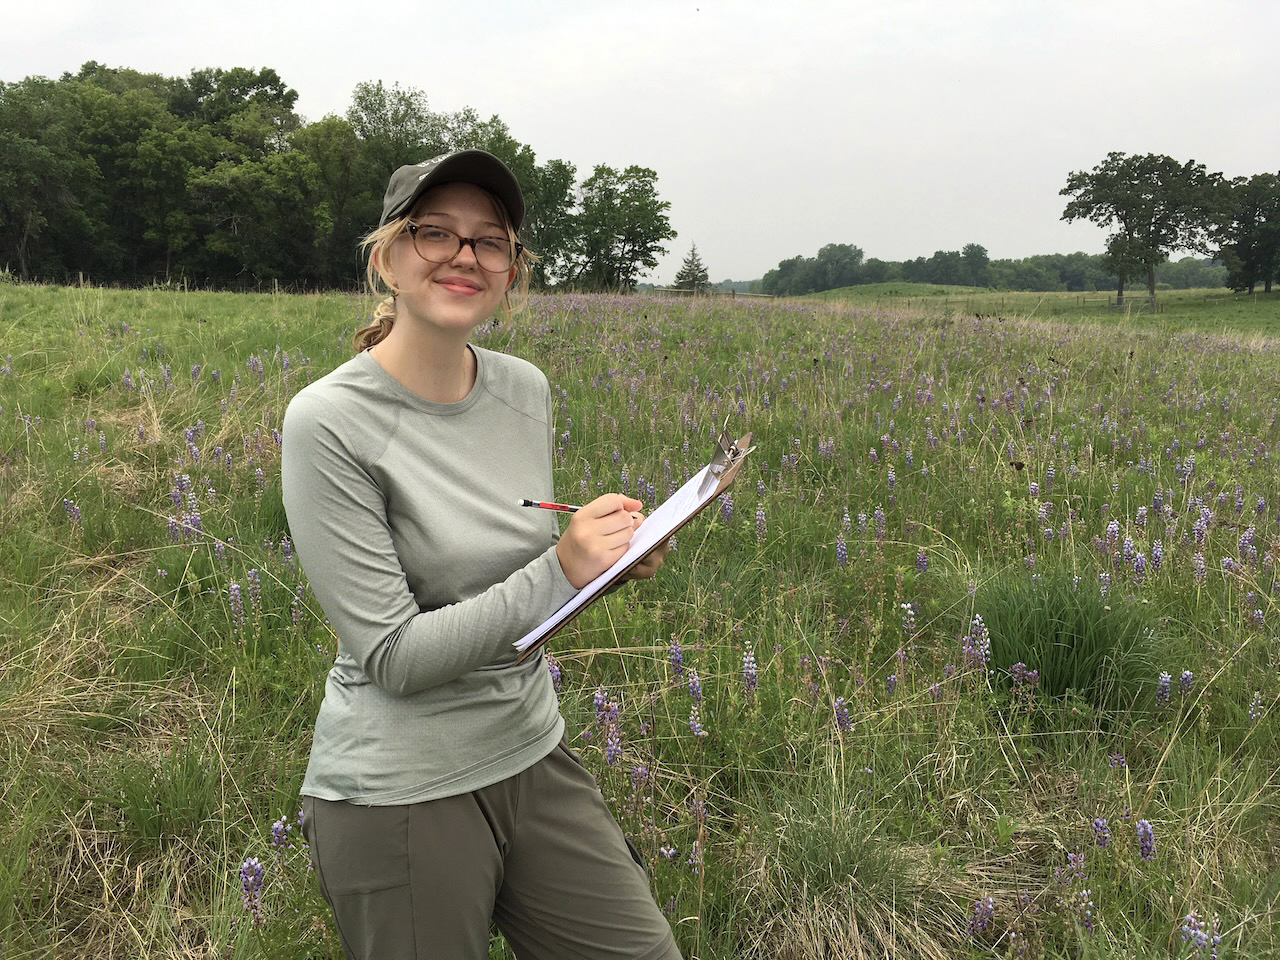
(403, 513)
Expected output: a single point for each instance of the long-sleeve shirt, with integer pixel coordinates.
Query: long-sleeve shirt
(404, 515)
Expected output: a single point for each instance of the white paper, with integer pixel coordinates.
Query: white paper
(657, 526)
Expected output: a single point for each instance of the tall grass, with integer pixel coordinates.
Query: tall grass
(815, 759)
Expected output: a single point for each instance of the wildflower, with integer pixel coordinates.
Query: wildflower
(1101, 832)
(695, 857)
(237, 605)
(675, 656)
(922, 561)
(843, 723)
(981, 916)
(695, 722)
(977, 644)
(750, 674)
(1185, 681)
(553, 668)
(1162, 688)
(1116, 761)
(760, 524)
(1198, 568)
(1255, 707)
(935, 692)
(908, 618)
(1146, 840)
(1082, 907)
(726, 506)
(1157, 555)
(1104, 584)
(255, 590)
(251, 890)
(842, 552)
(695, 687)
(613, 744)
(601, 702)
(890, 684)
(72, 511)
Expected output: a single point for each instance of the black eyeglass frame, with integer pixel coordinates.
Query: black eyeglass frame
(412, 229)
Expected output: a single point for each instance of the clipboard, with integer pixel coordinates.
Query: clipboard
(678, 509)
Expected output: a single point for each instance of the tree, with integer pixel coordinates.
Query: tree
(619, 229)
(693, 272)
(1249, 233)
(1156, 205)
(977, 264)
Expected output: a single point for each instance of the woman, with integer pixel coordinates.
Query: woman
(440, 793)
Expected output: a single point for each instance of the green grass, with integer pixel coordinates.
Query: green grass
(1206, 311)
(150, 736)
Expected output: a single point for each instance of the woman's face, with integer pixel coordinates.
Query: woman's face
(459, 294)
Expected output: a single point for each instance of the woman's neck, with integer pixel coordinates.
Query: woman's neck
(438, 369)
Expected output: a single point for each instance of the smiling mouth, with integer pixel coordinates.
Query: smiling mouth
(459, 285)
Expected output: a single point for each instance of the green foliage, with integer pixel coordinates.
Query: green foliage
(692, 275)
(1156, 205)
(214, 179)
(1083, 645)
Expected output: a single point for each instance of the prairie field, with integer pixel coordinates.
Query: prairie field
(978, 656)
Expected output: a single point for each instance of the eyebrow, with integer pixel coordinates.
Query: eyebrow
(440, 213)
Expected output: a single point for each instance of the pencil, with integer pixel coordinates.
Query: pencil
(547, 505)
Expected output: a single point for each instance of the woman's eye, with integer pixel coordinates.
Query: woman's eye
(496, 244)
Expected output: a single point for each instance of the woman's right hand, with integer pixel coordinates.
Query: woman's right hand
(597, 535)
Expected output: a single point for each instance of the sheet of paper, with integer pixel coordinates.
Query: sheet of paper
(657, 527)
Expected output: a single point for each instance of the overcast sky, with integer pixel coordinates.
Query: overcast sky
(902, 126)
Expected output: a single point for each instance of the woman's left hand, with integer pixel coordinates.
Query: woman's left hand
(651, 561)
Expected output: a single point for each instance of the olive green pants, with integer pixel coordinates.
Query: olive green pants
(539, 854)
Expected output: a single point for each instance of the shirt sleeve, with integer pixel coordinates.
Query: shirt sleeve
(338, 520)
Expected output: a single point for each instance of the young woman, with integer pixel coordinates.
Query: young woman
(440, 792)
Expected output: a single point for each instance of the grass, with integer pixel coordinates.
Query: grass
(863, 780)
(1204, 311)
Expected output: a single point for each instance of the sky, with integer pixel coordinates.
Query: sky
(901, 126)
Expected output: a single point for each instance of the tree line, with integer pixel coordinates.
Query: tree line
(214, 178)
(1154, 206)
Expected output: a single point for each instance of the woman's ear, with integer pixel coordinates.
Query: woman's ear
(383, 268)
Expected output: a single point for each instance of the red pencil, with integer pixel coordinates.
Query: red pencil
(548, 505)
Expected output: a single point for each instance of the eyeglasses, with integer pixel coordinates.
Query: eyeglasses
(438, 245)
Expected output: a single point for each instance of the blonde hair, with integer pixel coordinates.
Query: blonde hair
(377, 246)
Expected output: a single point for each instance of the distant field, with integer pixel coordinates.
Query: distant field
(979, 656)
(1208, 310)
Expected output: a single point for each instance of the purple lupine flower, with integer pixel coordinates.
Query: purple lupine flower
(237, 605)
(613, 744)
(1198, 568)
(935, 692)
(842, 552)
(255, 590)
(1104, 584)
(760, 524)
(1116, 761)
(1146, 840)
(892, 479)
(977, 644)
(695, 722)
(750, 674)
(726, 506)
(72, 511)
(1185, 681)
(922, 561)
(553, 667)
(1255, 707)
(881, 524)
(1141, 520)
(1139, 566)
(1101, 832)
(981, 916)
(891, 683)
(1162, 688)
(694, 860)
(251, 890)
(695, 687)
(1082, 907)
(908, 618)
(843, 723)
(675, 656)
(601, 703)
(1157, 555)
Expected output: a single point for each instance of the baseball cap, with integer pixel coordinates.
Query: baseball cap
(483, 169)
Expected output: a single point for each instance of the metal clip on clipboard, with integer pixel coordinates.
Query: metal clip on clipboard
(725, 460)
